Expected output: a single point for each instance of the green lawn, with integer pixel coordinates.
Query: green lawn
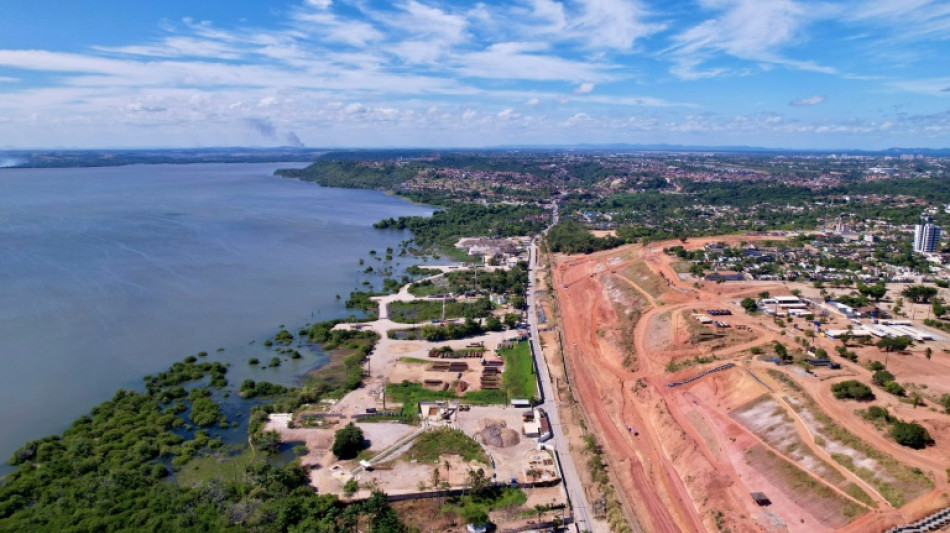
(518, 378)
(518, 381)
(414, 360)
(410, 394)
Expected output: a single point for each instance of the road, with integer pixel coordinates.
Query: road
(572, 481)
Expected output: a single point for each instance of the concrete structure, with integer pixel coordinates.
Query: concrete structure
(783, 302)
(926, 237)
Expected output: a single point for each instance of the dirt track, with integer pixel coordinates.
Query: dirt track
(686, 471)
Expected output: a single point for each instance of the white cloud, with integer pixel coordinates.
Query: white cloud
(808, 102)
(319, 4)
(519, 61)
(931, 86)
(577, 118)
(754, 30)
(533, 101)
(551, 12)
(906, 20)
(328, 27)
(584, 88)
(614, 24)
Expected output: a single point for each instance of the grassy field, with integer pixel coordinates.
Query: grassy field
(414, 360)
(428, 288)
(772, 423)
(216, 467)
(831, 509)
(681, 267)
(518, 379)
(641, 274)
(424, 311)
(410, 394)
(445, 441)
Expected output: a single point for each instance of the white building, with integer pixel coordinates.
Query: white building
(926, 237)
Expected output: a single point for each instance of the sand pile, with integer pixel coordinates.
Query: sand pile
(496, 433)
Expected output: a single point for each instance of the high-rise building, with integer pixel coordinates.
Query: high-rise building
(926, 236)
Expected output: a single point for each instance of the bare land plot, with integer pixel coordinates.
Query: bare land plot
(641, 274)
(830, 508)
(897, 483)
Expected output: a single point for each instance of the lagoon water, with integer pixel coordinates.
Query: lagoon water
(108, 274)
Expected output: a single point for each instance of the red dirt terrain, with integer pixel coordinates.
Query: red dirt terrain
(702, 448)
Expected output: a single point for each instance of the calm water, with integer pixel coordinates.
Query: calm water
(108, 274)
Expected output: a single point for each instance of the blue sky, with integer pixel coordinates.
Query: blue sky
(781, 73)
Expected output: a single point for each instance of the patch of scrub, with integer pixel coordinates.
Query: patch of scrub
(641, 274)
(827, 506)
(772, 423)
(895, 482)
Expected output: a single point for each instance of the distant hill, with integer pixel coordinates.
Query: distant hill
(102, 158)
(110, 158)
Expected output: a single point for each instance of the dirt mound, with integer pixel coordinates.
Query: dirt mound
(496, 433)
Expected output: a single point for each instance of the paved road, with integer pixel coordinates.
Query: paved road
(572, 481)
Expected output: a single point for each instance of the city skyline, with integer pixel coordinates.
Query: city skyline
(778, 73)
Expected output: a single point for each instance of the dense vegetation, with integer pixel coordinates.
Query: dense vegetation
(425, 310)
(352, 174)
(852, 389)
(571, 238)
(105, 473)
(433, 333)
(444, 228)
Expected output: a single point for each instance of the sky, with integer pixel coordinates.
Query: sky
(846, 74)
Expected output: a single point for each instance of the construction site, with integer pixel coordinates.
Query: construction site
(702, 426)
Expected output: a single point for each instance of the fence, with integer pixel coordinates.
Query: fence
(934, 522)
(704, 374)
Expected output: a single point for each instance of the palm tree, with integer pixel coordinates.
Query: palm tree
(540, 509)
(534, 474)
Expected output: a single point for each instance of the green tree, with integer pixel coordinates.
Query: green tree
(890, 344)
(474, 514)
(781, 351)
(911, 434)
(894, 388)
(477, 480)
(493, 324)
(881, 377)
(919, 293)
(852, 389)
(350, 487)
(348, 441)
(938, 308)
(749, 305)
